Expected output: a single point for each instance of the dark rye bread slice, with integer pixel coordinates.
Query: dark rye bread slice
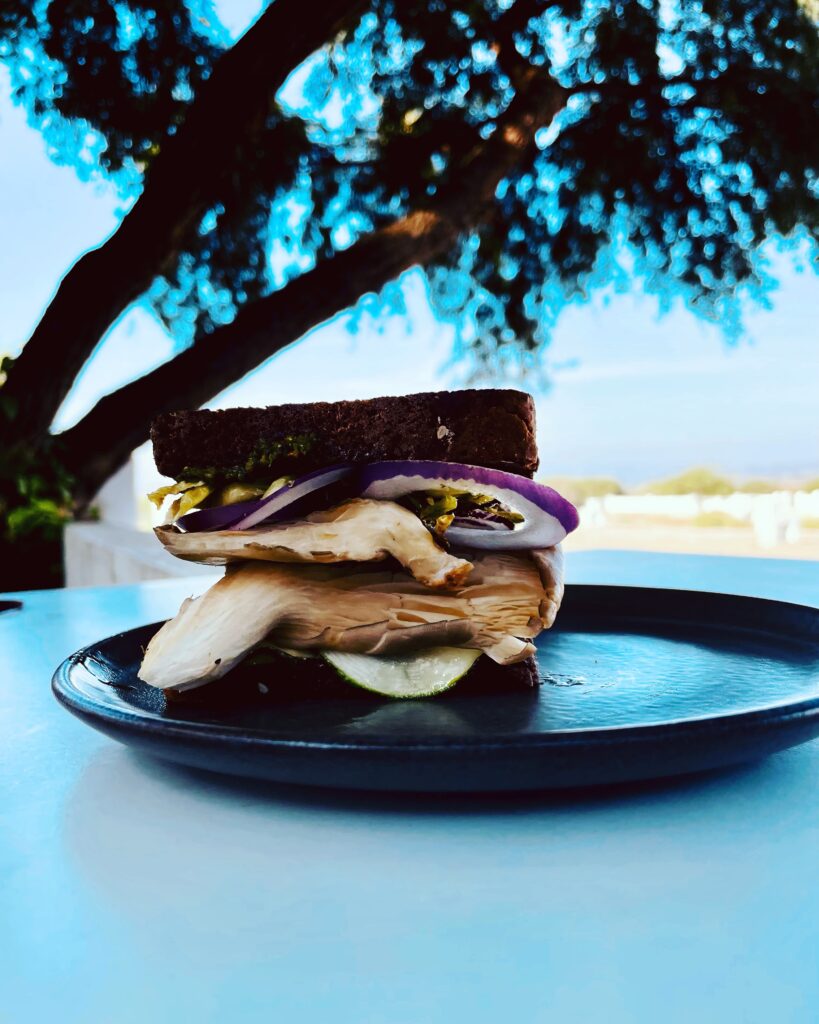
(493, 428)
(283, 677)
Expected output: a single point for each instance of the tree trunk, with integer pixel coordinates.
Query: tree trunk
(261, 329)
(181, 184)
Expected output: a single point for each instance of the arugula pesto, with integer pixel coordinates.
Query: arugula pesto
(252, 471)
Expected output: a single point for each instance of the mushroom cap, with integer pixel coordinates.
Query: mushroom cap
(357, 531)
(506, 601)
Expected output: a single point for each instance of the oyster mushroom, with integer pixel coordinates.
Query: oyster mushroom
(549, 562)
(507, 601)
(357, 531)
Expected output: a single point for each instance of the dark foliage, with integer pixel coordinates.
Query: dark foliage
(692, 134)
(689, 137)
(128, 70)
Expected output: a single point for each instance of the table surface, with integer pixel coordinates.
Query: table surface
(133, 890)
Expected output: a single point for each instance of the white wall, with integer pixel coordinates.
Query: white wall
(775, 518)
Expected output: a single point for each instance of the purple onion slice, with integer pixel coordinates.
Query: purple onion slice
(217, 518)
(488, 522)
(482, 518)
(292, 497)
(307, 494)
(548, 517)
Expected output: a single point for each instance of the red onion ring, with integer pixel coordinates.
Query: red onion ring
(548, 516)
(287, 497)
(219, 517)
(291, 499)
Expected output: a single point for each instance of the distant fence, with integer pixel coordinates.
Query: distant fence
(775, 518)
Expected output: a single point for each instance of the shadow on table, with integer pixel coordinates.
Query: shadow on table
(253, 792)
(227, 853)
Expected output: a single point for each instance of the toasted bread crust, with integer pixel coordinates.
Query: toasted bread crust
(493, 427)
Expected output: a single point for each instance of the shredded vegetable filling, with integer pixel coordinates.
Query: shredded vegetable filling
(191, 496)
(439, 508)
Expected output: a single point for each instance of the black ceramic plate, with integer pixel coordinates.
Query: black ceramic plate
(636, 684)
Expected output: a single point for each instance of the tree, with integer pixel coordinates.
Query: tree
(579, 489)
(500, 146)
(693, 481)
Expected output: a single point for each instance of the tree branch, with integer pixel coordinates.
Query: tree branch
(182, 182)
(266, 326)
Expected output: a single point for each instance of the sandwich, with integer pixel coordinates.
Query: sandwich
(398, 544)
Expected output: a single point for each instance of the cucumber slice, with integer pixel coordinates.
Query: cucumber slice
(422, 674)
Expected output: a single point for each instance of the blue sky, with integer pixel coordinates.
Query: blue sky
(639, 395)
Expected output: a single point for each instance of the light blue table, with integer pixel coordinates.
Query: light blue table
(132, 891)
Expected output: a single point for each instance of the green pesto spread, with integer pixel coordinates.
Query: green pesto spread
(264, 454)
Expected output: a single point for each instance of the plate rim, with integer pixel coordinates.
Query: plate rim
(138, 720)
